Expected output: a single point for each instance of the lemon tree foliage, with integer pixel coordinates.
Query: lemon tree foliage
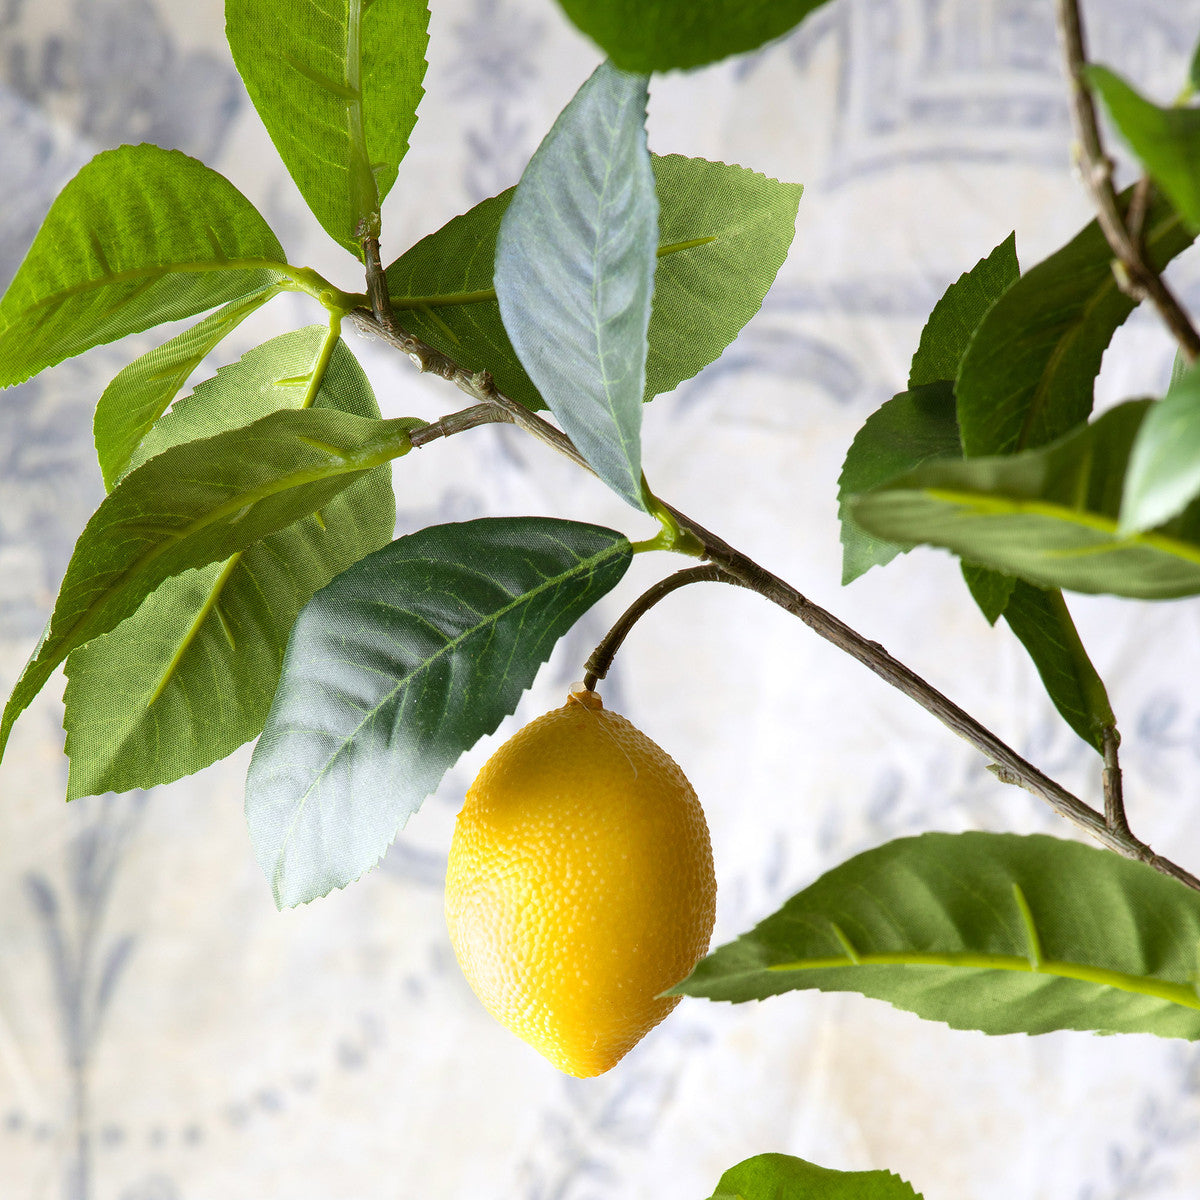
(1050, 516)
(140, 236)
(141, 392)
(575, 261)
(189, 676)
(257, 511)
(1166, 140)
(198, 503)
(336, 83)
(782, 1177)
(1028, 375)
(580, 885)
(658, 35)
(921, 424)
(394, 669)
(987, 931)
(723, 234)
(1164, 465)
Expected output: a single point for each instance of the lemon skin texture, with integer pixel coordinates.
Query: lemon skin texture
(580, 885)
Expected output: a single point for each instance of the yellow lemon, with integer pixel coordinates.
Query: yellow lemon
(580, 885)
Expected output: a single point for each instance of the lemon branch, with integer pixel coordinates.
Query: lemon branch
(1135, 277)
(1007, 764)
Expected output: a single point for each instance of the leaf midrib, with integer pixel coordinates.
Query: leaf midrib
(1143, 985)
(1000, 506)
(149, 272)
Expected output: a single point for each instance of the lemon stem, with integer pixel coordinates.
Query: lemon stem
(596, 667)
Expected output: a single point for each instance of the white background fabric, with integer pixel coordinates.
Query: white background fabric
(165, 1034)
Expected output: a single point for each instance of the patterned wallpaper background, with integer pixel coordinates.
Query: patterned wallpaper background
(165, 1034)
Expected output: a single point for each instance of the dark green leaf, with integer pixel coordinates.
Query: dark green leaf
(575, 263)
(1165, 140)
(140, 393)
(336, 83)
(189, 676)
(140, 236)
(957, 315)
(658, 35)
(399, 665)
(723, 233)
(986, 931)
(196, 504)
(1047, 515)
(1029, 372)
(1194, 69)
(991, 590)
(1041, 620)
(1164, 468)
(782, 1177)
(907, 430)
(944, 341)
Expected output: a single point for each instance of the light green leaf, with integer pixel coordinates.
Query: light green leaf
(140, 236)
(189, 676)
(1164, 468)
(336, 83)
(1029, 373)
(724, 232)
(141, 392)
(986, 931)
(782, 1177)
(575, 262)
(658, 35)
(1048, 516)
(196, 504)
(907, 430)
(1165, 140)
(957, 315)
(394, 669)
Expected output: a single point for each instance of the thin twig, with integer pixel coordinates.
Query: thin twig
(377, 288)
(1012, 767)
(1114, 796)
(596, 667)
(1136, 277)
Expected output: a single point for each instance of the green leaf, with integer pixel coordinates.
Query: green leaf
(957, 315)
(140, 236)
(724, 232)
(1048, 516)
(986, 931)
(141, 392)
(1029, 372)
(782, 1177)
(196, 504)
(905, 431)
(1164, 468)
(575, 263)
(189, 676)
(399, 665)
(658, 35)
(1165, 140)
(1194, 69)
(944, 341)
(1041, 620)
(991, 590)
(336, 83)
